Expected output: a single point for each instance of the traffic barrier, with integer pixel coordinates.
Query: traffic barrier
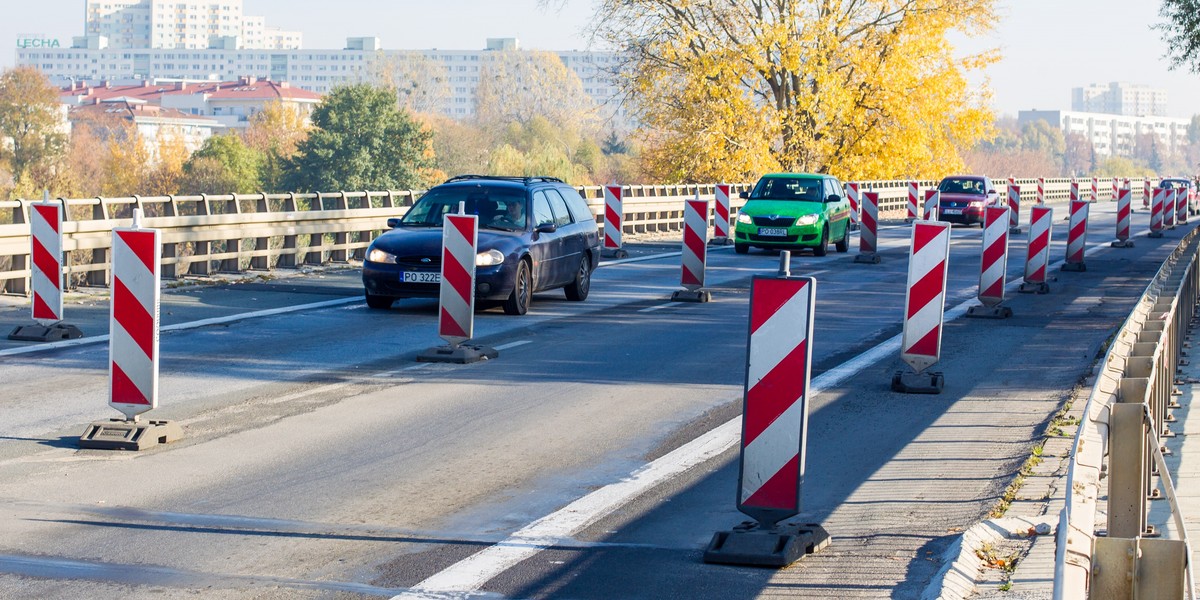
(1075, 191)
(1147, 193)
(614, 217)
(774, 428)
(46, 276)
(1124, 208)
(868, 240)
(1116, 188)
(1041, 193)
(1169, 209)
(1014, 209)
(993, 265)
(1095, 189)
(456, 294)
(924, 304)
(1037, 251)
(1181, 207)
(133, 345)
(914, 192)
(854, 196)
(695, 252)
(721, 218)
(932, 199)
(1156, 212)
(1077, 237)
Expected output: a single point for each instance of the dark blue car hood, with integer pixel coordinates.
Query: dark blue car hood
(427, 241)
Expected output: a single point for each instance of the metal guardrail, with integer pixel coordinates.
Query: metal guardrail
(235, 233)
(1118, 452)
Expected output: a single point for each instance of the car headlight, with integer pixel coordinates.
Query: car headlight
(807, 220)
(975, 204)
(745, 219)
(379, 256)
(490, 258)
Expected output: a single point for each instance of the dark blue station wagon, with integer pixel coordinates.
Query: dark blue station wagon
(535, 233)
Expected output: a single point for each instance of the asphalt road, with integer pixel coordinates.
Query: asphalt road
(321, 461)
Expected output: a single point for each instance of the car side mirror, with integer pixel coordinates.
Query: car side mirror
(833, 198)
(744, 195)
(992, 192)
(393, 223)
(547, 228)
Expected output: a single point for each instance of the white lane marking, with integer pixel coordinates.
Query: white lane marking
(515, 344)
(473, 572)
(658, 307)
(637, 259)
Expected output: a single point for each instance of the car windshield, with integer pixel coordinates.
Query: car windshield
(961, 186)
(1174, 183)
(783, 188)
(497, 207)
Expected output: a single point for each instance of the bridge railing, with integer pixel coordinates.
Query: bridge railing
(239, 232)
(1111, 549)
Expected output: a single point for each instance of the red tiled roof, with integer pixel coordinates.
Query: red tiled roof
(126, 110)
(245, 89)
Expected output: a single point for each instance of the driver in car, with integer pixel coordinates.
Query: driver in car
(514, 215)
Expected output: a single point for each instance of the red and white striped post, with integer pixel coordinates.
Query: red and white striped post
(993, 265)
(1014, 209)
(46, 276)
(695, 252)
(854, 196)
(1041, 193)
(1077, 236)
(1181, 206)
(721, 217)
(456, 294)
(914, 192)
(1037, 251)
(614, 217)
(1124, 210)
(924, 303)
(1075, 191)
(1159, 196)
(1116, 188)
(133, 343)
(868, 240)
(1095, 189)
(1169, 209)
(932, 199)
(774, 428)
(1147, 193)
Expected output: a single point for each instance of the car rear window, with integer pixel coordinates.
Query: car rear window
(961, 186)
(477, 200)
(578, 206)
(785, 188)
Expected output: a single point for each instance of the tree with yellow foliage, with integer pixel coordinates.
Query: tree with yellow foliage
(862, 89)
(276, 132)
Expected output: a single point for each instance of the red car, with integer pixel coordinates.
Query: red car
(964, 197)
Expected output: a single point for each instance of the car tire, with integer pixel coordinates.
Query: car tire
(741, 248)
(379, 302)
(822, 247)
(518, 301)
(843, 245)
(577, 290)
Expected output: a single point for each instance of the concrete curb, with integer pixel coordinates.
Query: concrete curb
(956, 580)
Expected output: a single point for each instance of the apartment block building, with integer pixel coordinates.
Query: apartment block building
(190, 25)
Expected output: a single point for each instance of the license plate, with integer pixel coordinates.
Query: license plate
(952, 211)
(420, 277)
(773, 231)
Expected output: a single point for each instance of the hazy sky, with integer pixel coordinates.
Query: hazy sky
(1049, 46)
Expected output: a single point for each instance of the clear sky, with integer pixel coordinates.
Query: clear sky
(1049, 46)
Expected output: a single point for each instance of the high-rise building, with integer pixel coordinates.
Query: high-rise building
(1120, 99)
(1113, 134)
(194, 24)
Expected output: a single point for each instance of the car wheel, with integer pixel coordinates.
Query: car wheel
(518, 302)
(379, 302)
(843, 245)
(822, 247)
(577, 290)
(741, 248)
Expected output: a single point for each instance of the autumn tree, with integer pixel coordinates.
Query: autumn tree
(361, 140)
(31, 122)
(170, 153)
(223, 165)
(421, 84)
(275, 133)
(126, 161)
(858, 88)
(1182, 28)
(1079, 154)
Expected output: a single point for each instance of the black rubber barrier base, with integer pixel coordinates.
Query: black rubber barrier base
(989, 312)
(40, 333)
(907, 382)
(119, 434)
(1154, 234)
(1122, 244)
(1034, 288)
(720, 241)
(618, 253)
(1015, 230)
(691, 296)
(1074, 266)
(869, 259)
(779, 546)
(462, 354)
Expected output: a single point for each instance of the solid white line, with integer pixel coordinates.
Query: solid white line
(658, 307)
(473, 572)
(511, 345)
(637, 259)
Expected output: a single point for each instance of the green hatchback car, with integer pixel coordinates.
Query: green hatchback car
(793, 211)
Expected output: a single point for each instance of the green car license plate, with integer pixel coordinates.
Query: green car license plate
(772, 231)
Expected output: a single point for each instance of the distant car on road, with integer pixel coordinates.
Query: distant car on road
(1186, 187)
(535, 233)
(964, 197)
(793, 211)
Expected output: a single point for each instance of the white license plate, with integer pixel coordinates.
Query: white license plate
(952, 211)
(419, 277)
(772, 231)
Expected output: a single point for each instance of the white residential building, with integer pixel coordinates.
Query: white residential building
(194, 24)
(1119, 98)
(1111, 134)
